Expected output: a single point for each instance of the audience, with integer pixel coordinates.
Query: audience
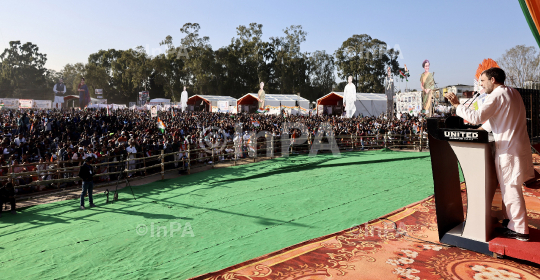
(45, 136)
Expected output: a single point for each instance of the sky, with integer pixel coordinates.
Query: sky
(455, 36)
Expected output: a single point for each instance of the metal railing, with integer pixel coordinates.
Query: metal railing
(61, 176)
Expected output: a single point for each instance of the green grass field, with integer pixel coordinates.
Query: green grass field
(220, 217)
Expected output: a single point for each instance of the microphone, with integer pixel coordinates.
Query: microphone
(476, 94)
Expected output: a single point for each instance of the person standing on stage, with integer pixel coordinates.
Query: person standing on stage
(349, 97)
(503, 113)
(84, 95)
(183, 100)
(59, 91)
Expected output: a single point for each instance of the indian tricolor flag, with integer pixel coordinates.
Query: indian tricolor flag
(161, 126)
(531, 11)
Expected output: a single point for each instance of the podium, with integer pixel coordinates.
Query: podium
(452, 142)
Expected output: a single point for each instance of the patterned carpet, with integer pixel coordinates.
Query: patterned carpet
(390, 247)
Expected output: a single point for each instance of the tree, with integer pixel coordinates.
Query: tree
(169, 69)
(322, 73)
(72, 74)
(127, 76)
(291, 66)
(97, 78)
(241, 65)
(366, 59)
(200, 58)
(23, 73)
(521, 64)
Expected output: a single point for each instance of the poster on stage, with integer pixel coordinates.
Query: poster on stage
(409, 102)
(26, 103)
(99, 92)
(153, 111)
(223, 106)
(143, 97)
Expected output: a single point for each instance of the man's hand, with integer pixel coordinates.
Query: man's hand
(453, 99)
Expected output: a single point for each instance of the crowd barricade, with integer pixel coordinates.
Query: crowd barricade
(61, 176)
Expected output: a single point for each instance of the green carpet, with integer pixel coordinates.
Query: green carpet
(223, 217)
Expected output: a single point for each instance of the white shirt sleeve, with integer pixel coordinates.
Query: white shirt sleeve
(54, 89)
(486, 126)
(486, 111)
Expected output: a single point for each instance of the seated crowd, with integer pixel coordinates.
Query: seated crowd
(42, 141)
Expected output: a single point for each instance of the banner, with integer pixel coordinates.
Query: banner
(223, 106)
(99, 92)
(409, 102)
(26, 103)
(42, 104)
(153, 111)
(10, 103)
(143, 97)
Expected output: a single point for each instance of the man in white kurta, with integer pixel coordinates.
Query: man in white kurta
(503, 113)
(349, 97)
(183, 99)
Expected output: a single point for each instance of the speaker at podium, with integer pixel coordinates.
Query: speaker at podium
(452, 142)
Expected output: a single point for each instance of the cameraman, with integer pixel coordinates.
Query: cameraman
(7, 194)
(86, 172)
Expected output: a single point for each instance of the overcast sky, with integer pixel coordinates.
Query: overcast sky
(454, 35)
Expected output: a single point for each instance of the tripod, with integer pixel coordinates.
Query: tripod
(115, 196)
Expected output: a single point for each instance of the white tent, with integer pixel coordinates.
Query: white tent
(367, 104)
(159, 101)
(291, 103)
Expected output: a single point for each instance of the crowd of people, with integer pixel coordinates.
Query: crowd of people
(52, 139)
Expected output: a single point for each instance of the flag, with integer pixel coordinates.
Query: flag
(531, 11)
(161, 125)
(32, 127)
(255, 123)
(107, 110)
(404, 75)
(261, 110)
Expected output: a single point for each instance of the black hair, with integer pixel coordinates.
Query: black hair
(497, 73)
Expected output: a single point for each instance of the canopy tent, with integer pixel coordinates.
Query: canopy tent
(531, 10)
(159, 101)
(291, 103)
(73, 97)
(211, 103)
(367, 104)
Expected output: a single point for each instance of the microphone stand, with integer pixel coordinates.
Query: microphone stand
(474, 98)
